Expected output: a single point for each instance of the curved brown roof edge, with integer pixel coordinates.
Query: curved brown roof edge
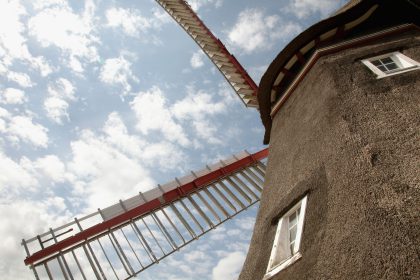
(346, 6)
(341, 18)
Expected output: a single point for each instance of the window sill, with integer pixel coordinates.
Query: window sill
(383, 75)
(282, 266)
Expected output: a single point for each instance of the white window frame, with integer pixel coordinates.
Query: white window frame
(273, 270)
(404, 63)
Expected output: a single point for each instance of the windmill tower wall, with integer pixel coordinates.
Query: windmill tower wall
(350, 143)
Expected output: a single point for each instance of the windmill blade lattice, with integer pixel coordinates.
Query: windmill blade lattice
(122, 240)
(227, 64)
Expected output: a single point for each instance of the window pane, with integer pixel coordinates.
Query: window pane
(292, 235)
(376, 62)
(391, 66)
(387, 60)
(292, 219)
(282, 247)
(382, 68)
(292, 248)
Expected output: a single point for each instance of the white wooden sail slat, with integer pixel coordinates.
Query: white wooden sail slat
(218, 56)
(252, 104)
(233, 78)
(204, 38)
(236, 79)
(226, 65)
(206, 42)
(185, 18)
(229, 70)
(246, 91)
(179, 12)
(239, 87)
(185, 23)
(194, 31)
(188, 23)
(208, 48)
(172, 5)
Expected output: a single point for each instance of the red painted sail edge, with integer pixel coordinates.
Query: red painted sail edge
(146, 207)
(261, 154)
(92, 231)
(231, 58)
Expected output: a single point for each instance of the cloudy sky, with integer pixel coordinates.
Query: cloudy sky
(100, 99)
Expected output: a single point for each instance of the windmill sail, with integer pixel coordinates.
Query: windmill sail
(227, 64)
(122, 240)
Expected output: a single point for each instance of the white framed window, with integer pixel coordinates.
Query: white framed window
(390, 64)
(286, 245)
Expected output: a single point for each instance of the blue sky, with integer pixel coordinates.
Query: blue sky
(102, 99)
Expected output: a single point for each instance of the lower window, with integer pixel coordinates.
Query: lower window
(286, 245)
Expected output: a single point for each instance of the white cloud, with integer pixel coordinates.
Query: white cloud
(102, 174)
(41, 64)
(197, 110)
(196, 60)
(246, 223)
(228, 96)
(113, 164)
(218, 234)
(24, 177)
(25, 218)
(56, 109)
(13, 177)
(22, 128)
(63, 88)
(255, 31)
(12, 96)
(51, 167)
(56, 104)
(4, 113)
(160, 17)
(21, 79)
(153, 114)
(197, 107)
(197, 4)
(165, 154)
(305, 8)
(130, 21)
(228, 268)
(13, 43)
(134, 24)
(117, 134)
(195, 263)
(75, 64)
(73, 34)
(42, 4)
(117, 71)
(207, 131)
(195, 256)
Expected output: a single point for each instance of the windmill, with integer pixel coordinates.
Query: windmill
(124, 239)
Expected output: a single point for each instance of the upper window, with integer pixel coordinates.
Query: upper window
(286, 245)
(390, 64)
